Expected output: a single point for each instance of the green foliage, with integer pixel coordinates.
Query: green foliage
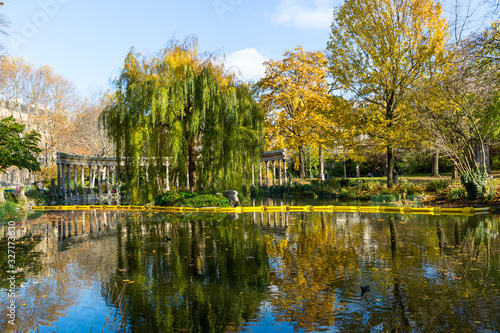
(347, 195)
(7, 210)
(188, 199)
(364, 197)
(309, 194)
(183, 107)
(371, 185)
(332, 184)
(38, 196)
(495, 163)
(348, 182)
(378, 54)
(18, 148)
(457, 193)
(474, 182)
(437, 185)
(407, 187)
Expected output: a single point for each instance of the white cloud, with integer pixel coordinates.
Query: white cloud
(316, 14)
(248, 62)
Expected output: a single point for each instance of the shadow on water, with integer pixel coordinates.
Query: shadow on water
(260, 271)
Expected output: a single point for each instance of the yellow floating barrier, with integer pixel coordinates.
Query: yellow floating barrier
(228, 210)
(368, 209)
(274, 208)
(418, 210)
(469, 211)
(481, 209)
(456, 210)
(321, 208)
(295, 208)
(344, 208)
(208, 210)
(250, 209)
(388, 209)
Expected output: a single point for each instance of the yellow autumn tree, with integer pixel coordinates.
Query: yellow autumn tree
(378, 51)
(293, 93)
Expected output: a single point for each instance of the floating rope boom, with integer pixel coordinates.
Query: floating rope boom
(263, 209)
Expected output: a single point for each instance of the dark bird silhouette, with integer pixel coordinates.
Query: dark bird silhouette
(168, 238)
(364, 289)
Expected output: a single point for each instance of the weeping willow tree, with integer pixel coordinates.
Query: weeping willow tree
(182, 107)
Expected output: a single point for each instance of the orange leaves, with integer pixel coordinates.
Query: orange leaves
(294, 92)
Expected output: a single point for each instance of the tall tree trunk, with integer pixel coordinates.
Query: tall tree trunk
(345, 167)
(310, 163)
(435, 164)
(390, 166)
(192, 166)
(321, 166)
(302, 166)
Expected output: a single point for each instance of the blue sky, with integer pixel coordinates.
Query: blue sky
(87, 41)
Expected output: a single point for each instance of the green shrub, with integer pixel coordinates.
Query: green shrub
(495, 163)
(387, 191)
(188, 199)
(36, 195)
(407, 187)
(364, 197)
(437, 185)
(347, 195)
(344, 182)
(309, 194)
(371, 185)
(7, 209)
(456, 193)
(474, 182)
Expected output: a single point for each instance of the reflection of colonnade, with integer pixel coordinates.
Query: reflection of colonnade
(78, 224)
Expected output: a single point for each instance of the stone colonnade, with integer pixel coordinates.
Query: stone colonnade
(272, 161)
(72, 167)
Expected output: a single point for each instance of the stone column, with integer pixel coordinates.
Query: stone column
(113, 175)
(281, 179)
(284, 162)
(82, 177)
(75, 178)
(99, 179)
(274, 173)
(253, 175)
(167, 175)
(260, 174)
(108, 187)
(62, 184)
(2, 196)
(91, 183)
(267, 173)
(68, 179)
(58, 175)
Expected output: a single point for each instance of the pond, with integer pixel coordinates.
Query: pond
(116, 271)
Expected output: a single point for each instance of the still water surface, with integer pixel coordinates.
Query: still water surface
(110, 271)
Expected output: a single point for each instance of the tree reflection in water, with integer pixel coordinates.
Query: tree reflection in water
(426, 273)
